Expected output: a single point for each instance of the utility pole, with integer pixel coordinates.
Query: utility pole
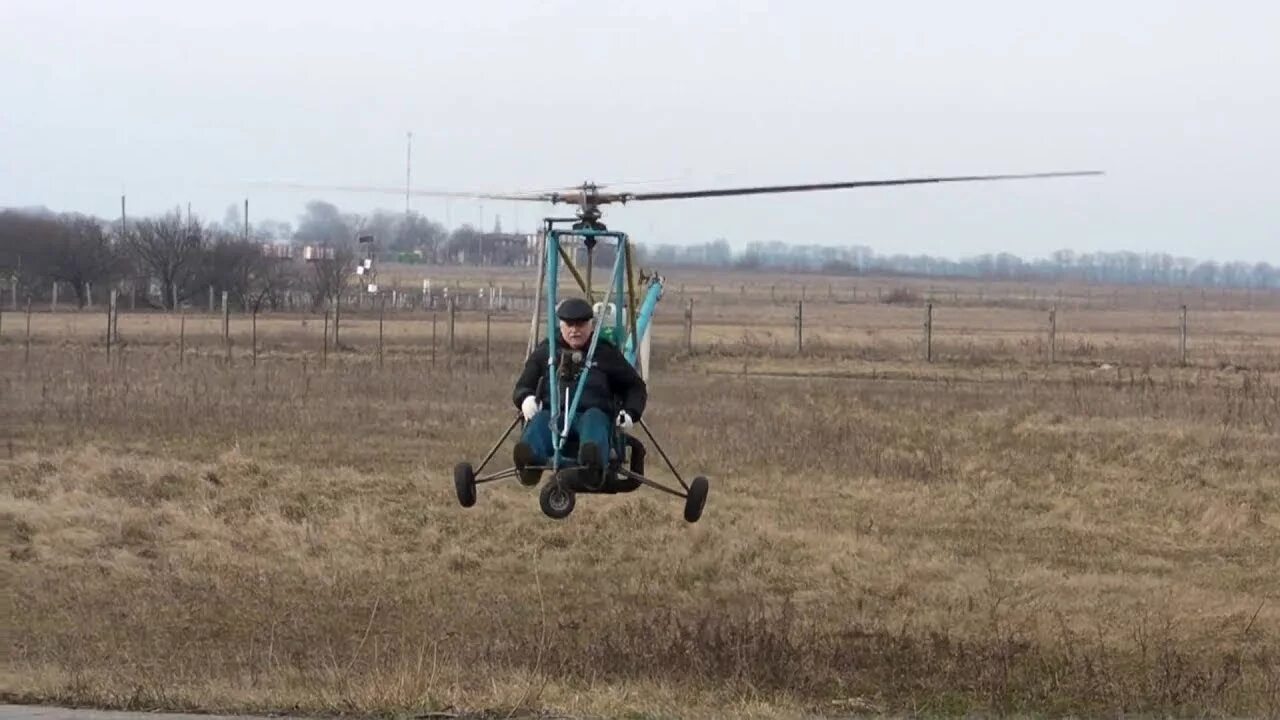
(246, 219)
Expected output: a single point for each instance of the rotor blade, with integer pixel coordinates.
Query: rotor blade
(620, 183)
(842, 185)
(542, 197)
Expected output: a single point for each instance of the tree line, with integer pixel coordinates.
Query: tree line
(171, 259)
(1112, 268)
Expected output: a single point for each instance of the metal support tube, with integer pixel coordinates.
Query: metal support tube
(498, 444)
(652, 295)
(573, 269)
(670, 465)
(500, 475)
(619, 288)
(591, 351)
(631, 300)
(553, 253)
(657, 486)
(537, 298)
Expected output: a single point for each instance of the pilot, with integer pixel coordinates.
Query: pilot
(614, 393)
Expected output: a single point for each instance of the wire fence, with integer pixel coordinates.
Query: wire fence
(482, 325)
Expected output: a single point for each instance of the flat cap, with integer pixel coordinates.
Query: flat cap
(574, 310)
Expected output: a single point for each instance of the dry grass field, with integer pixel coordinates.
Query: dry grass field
(984, 533)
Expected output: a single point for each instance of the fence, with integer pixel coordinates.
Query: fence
(512, 294)
(1047, 352)
(811, 332)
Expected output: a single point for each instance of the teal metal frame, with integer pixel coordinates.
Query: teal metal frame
(561, 423)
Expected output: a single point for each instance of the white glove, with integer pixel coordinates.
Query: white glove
(624, 420)
(530, 407)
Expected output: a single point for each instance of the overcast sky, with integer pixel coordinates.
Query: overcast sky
(175, 102)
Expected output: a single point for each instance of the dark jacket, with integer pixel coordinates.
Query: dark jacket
(612, 383)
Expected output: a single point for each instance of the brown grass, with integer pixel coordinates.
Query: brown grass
(979, 535)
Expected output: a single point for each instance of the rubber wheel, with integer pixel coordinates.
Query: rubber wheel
(556, 500)
(531, 481)
(464, 482)
(696, 500)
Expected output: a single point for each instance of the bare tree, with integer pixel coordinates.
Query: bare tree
(223, 264)
(169, 248)
(264, 279)
(25, 239)
(329, 276)
(81, 252)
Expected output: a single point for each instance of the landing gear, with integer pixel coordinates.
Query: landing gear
(556, 499)
(696, 499)
(624, 473)
(464, 483)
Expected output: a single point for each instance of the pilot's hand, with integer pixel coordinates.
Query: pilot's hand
(624, 420)
(530, 407)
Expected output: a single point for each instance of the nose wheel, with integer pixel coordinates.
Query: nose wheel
(556, 500)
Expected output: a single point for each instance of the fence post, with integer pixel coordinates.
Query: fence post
(226, 327)
(1053, 334)
(53, 303)
(253, 335)
(115, 320)
(111, 304)
(13, 292)
(113, 315)
(928, 333)
(324, 353)
(182, 337)
(488, 317)
(434, 315)
(1182, 340)
(453, 319)
(800, 326)
(688, 326)
(382, 309)
(337, 313)
(26, 358)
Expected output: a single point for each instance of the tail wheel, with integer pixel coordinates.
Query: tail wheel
(696, 500)
(464, 483)
(556, 500)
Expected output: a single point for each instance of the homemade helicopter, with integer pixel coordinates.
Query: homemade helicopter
(628, 330)
(623, 317)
